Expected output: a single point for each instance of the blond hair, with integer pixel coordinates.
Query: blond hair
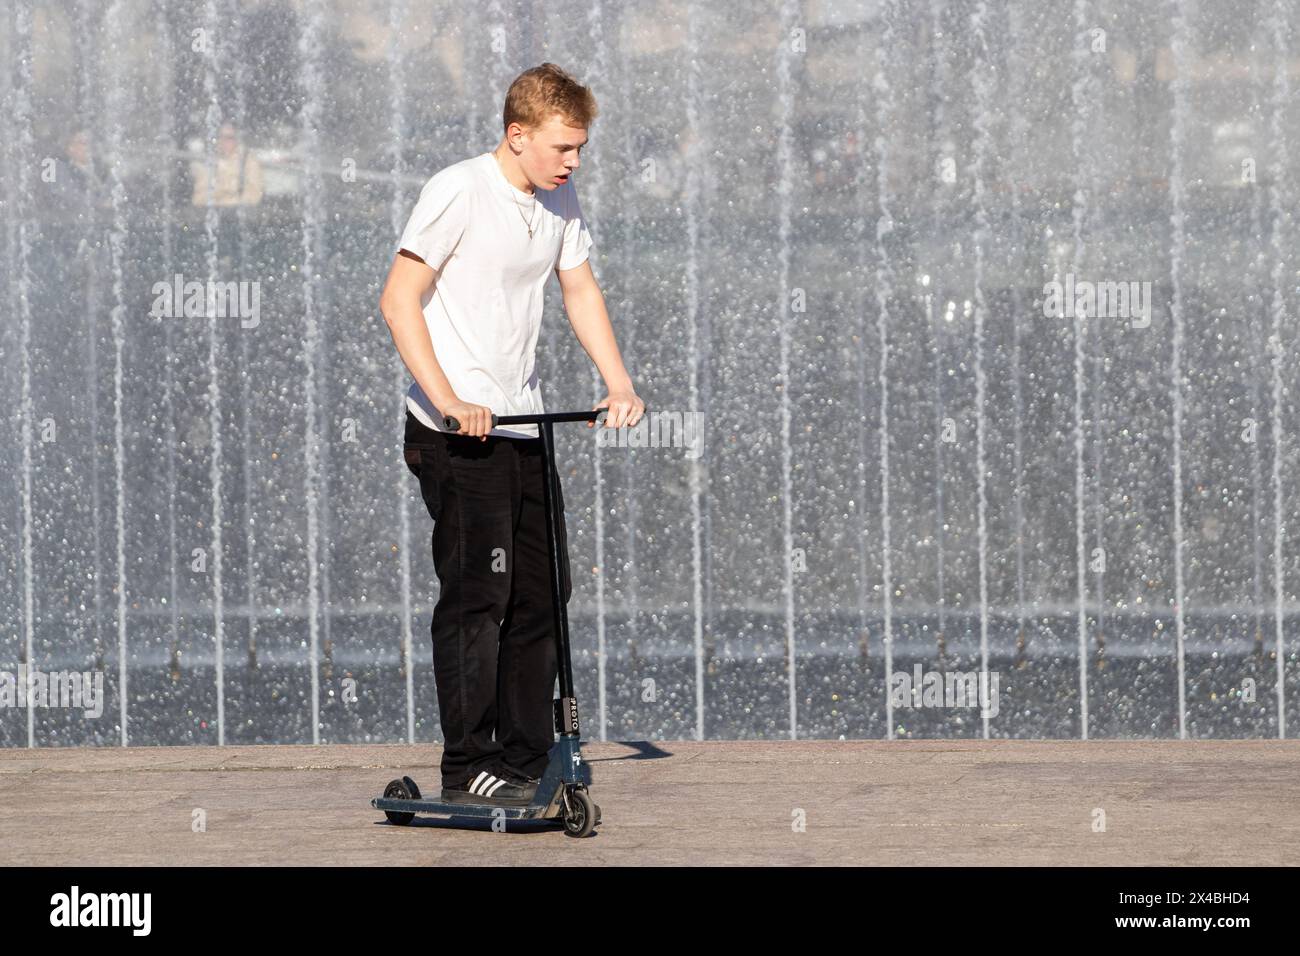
(540, 93)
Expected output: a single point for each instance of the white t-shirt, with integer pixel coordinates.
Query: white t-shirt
(484, 311)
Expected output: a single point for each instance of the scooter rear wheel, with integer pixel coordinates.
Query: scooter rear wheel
(397, 790)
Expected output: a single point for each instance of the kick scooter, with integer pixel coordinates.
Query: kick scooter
(562, 793)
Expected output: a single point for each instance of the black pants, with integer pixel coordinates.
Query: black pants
(494, 659)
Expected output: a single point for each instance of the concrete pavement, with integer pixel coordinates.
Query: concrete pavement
(908, 802)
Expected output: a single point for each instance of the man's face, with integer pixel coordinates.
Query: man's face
(551, 153)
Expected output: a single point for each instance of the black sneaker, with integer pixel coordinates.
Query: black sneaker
(519, 778)
(515, 775)
(495, 786)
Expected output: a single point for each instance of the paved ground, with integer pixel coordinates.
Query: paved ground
(677, 802)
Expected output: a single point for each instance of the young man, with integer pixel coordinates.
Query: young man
(463, 302)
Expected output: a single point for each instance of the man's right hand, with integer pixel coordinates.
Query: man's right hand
(475, 420)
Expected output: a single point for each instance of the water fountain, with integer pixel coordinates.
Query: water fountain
(826, 227)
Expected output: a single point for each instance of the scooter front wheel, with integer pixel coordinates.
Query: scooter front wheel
(580, 815)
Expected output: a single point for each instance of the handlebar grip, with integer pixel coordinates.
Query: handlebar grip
(453, 424)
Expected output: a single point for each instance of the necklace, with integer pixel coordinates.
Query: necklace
(528, 223)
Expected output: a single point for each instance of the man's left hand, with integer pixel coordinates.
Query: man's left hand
(625, 409)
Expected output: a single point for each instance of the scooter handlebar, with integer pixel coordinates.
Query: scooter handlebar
(452, 424)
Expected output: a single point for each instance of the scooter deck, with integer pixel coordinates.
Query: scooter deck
(533, 811)
(564, 760)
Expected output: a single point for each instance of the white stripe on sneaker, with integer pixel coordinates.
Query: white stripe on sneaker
(495, 786)
(480, 783)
